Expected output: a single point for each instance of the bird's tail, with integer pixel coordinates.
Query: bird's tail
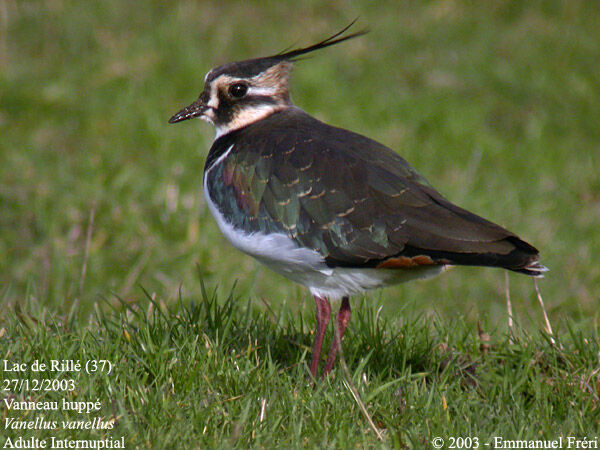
(534, 269)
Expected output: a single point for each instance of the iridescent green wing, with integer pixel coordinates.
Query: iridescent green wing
(347, 197)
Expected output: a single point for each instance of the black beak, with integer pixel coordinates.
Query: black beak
(194, 110)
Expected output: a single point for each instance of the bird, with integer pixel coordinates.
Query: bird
(326, 207)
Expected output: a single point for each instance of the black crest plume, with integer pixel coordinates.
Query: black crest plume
(292, 55)
(255, 66)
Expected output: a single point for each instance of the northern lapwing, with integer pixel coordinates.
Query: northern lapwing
(328, 208)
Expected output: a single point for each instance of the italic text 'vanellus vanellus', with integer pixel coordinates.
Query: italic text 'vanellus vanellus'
(326, 207)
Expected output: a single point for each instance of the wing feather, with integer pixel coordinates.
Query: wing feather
(353, 200)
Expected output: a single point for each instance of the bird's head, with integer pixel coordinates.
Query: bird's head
(240, 93)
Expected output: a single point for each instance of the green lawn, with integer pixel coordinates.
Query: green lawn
(218, 371)
(495, 103)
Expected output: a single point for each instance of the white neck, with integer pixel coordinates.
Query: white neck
(246, 117)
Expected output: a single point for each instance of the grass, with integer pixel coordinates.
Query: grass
(496, 104)
(216, 372)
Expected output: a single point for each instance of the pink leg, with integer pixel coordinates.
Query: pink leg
(323, 314)
(343, 318)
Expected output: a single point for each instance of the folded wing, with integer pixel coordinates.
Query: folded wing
(355, 201)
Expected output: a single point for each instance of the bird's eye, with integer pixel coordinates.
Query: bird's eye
(238, 90)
